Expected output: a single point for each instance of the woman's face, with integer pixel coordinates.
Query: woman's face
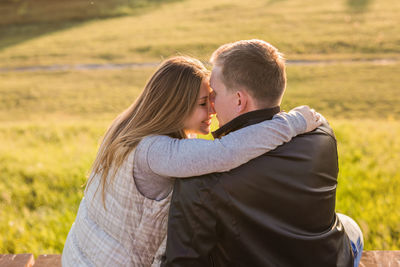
(200, 120)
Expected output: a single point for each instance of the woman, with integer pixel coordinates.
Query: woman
(122, 219)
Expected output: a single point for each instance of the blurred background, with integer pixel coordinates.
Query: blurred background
(67, 68)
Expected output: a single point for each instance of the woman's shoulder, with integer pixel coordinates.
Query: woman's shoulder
(148, 141)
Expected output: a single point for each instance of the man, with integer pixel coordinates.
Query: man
(276, 210)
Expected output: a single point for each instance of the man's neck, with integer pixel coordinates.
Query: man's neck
(246, 119)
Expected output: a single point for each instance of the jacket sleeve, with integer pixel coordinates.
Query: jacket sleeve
(192, 224)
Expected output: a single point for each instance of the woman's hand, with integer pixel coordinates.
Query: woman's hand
(313, 118)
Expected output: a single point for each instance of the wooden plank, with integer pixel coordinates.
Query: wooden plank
(53, 260)
(374, 258)
(17, 260)
(380, 258)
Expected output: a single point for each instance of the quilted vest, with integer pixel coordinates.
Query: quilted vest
(131, 231)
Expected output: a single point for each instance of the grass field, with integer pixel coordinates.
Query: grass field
(51, 122)
(301, 29)
(51, 125)
(43, 166)
(356, 91)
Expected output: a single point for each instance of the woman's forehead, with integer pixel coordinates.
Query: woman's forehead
(205, 89)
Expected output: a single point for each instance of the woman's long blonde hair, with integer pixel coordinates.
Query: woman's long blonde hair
(168, 98)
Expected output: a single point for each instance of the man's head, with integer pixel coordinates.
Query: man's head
(247, 75)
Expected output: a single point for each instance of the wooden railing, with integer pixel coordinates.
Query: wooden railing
(375, 258)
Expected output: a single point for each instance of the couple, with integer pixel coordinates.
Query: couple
(254, 196)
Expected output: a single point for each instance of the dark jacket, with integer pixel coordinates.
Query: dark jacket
(276, 210)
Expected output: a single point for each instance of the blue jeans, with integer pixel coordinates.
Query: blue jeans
(355, 235)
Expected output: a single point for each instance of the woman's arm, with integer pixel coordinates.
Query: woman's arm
(192, 157)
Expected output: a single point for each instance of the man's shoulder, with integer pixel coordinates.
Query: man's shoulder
(318, 139)
(310, 144)
(326, 129)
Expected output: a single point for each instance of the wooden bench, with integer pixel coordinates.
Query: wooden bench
(27, 260)
(374, 258)
(380, 258)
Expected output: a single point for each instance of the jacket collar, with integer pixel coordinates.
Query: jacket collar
(246, 119)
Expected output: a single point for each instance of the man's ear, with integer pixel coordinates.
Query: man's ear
(242, 99)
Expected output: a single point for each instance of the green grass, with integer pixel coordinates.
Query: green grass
(359, 91)
(369, 179)
(68, 95)
(20, 12)
(50, 126)
(301, 29)
(43, 166)
(338, 91)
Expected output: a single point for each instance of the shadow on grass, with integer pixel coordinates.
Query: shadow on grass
(22, 20)
(15, 34)
(358, 6)
(275, 1)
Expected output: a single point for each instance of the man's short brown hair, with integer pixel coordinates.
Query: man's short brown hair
(255, 65)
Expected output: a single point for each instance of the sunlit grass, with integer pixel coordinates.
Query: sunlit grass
(51, 125)
(369, 179)
(338, 91)
(300, 29)
(43, 166)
